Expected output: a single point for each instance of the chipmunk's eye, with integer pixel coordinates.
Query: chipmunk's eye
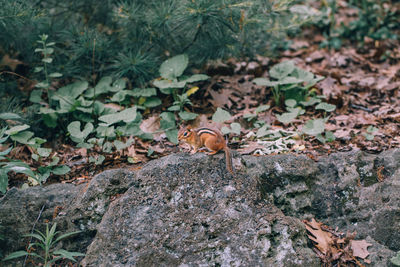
(185, 134)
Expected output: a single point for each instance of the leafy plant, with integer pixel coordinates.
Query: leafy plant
(289, 82)
(252, 117)
(371, 132)
(45, 244)
(172, 82)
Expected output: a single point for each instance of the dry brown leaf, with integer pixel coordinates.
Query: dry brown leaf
(10, 62)
(359, 248)
(322, 239)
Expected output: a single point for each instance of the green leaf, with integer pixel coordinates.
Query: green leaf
(16, 129)
(264, 82)
(127, 115)
(68, 255)
(97, 160)
(330, 137)
(288, 117)
(143, 92)
(22, 137)
(10, 116)
(119, 96)
(66, 235)
(37, 69)
(236, 128)
(61, 170)
(15, 255)
(290, 103)
(36, 96)
(196, 78)
(221, 115)
(119, 84)
(47, 60)
(42, 85)
(310, 102)
(325, 106)
(167, 120)
(74, 128)
(172, 135)
(44, 152)
(103, 86)
(314, 127)
(55, 75)
(263, 131)
(173, 67)
(71, 91)
(262, 108)
(281, 70)
(167, 84)
(187, 116)
(152, 102)
(5, 152)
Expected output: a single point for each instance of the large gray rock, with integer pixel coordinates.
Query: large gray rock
(186, 210)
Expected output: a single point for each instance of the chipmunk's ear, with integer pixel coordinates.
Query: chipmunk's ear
(189, 127)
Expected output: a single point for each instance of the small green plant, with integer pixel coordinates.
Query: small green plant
(45, 246)
(253, 117)
(289, 82)
(371, 132)
(46, 50)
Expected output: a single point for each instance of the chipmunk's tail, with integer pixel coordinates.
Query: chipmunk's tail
(228, 159)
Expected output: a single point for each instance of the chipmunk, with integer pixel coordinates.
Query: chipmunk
(206, 137)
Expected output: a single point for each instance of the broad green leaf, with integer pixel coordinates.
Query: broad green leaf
(22, 137)
(196, 78)
(16, 129)
(187, 116)
(262, 108)
(281, 70)
(152, 102)
(119, 84)
(119, 96)
(127, 115)
(290, 103)
(221, 115)
(263, 131)
(61, 170)
(172, 136)
(131, 129)
(5, 152)
(174, 108)
(71, 91)
(287, 117)
(10, 116)
(145, 92)
(314, 127)
(103, 86)
(36, 96)
(44, 152)
(236, 128)
(74, 128)
(106, 131)
(168, 116)
(167, 84)
(264, 82)
(50, 119)
(18, 167)
(173, 67)
(310, 102)
(289, 80)
(326, 106)
(107, 147)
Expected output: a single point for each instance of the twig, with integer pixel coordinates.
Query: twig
(33, 228)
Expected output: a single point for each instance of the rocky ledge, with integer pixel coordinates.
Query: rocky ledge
(184, 210)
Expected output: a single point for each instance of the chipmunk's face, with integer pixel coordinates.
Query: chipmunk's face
(185, 133)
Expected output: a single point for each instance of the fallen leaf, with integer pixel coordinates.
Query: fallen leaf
(359, 248)
(322, 239)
